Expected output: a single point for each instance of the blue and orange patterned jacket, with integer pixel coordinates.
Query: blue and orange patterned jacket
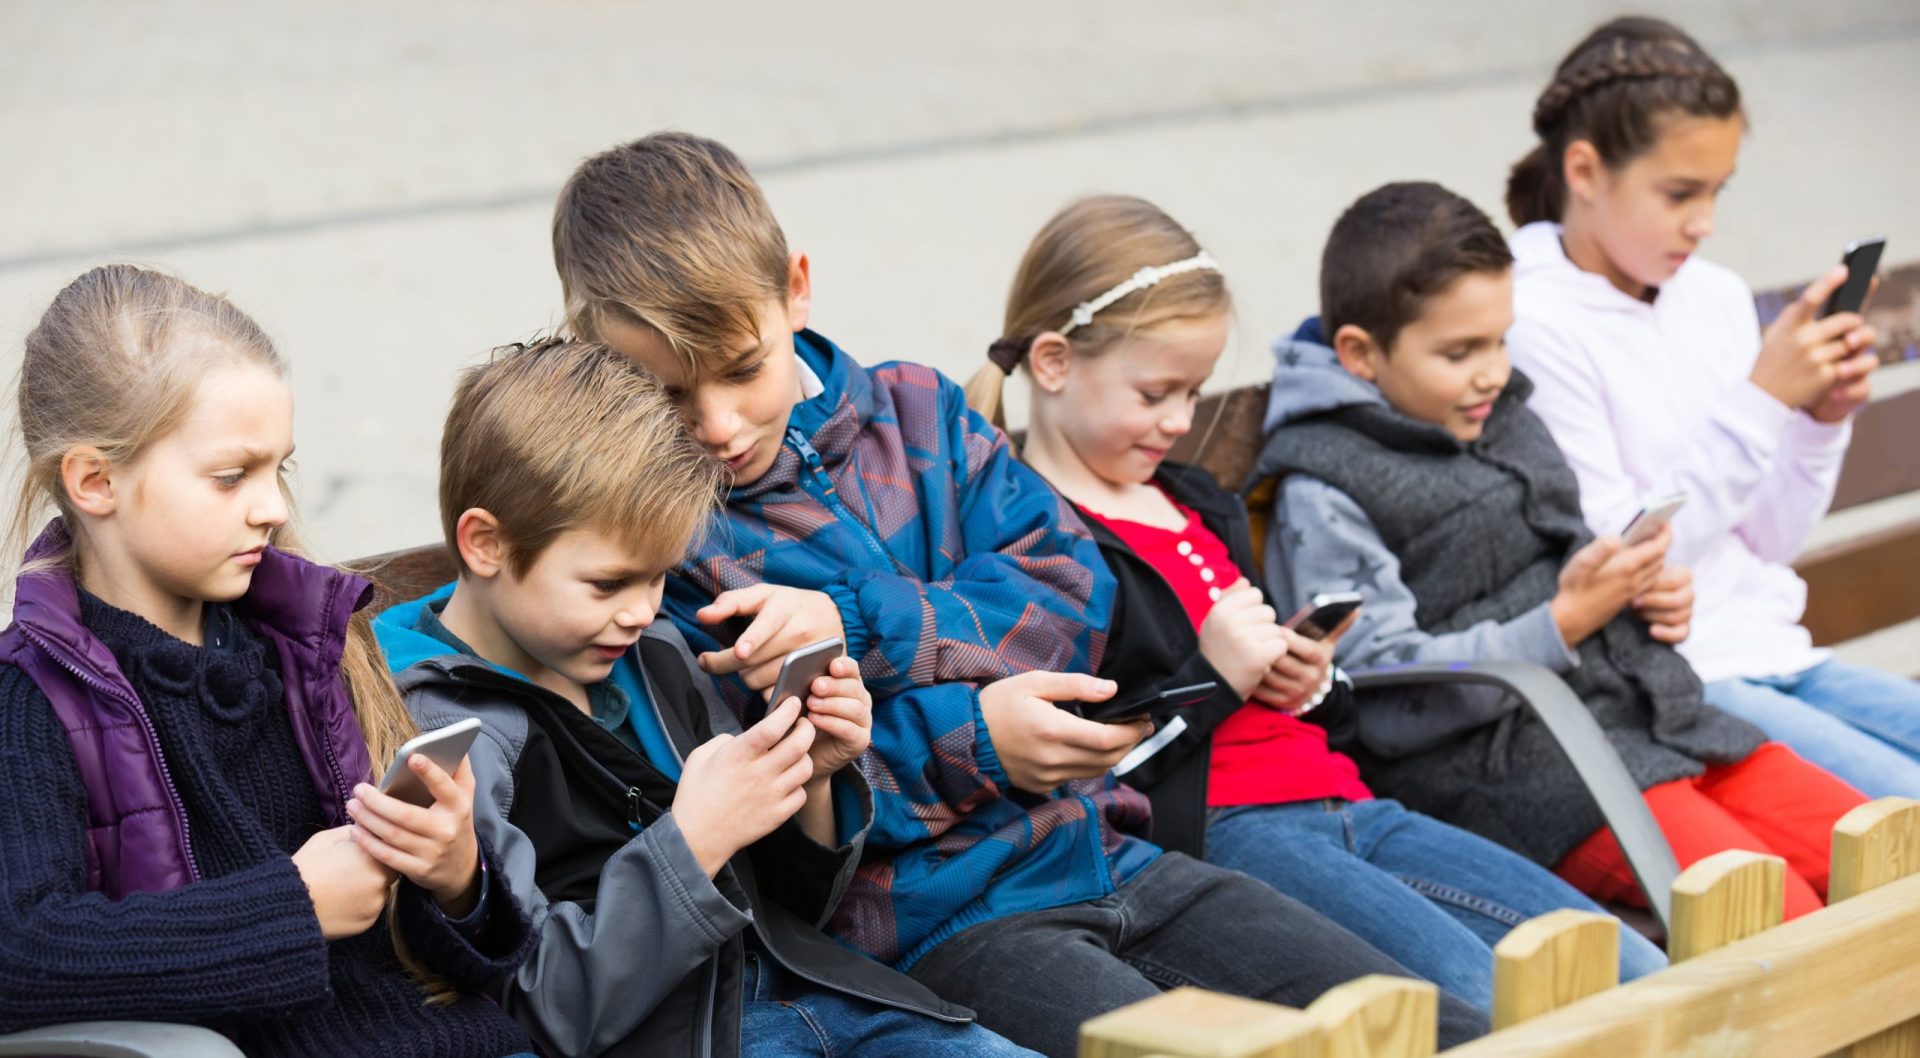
(953, 565)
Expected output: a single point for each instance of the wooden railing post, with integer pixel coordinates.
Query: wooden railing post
(1726, 897)
(1379, 1017)
(1872, 845)
(1190, 1023)
(1547, 962)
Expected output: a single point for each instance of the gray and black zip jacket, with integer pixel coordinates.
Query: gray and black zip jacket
(639, 952)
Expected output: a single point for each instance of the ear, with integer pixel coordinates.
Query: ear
(1048, 359)
(799, 290)
(1582, 168)
(1358, 352)
(482, 548)
(87, 479)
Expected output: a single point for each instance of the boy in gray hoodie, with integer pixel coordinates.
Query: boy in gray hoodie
(1409, 469)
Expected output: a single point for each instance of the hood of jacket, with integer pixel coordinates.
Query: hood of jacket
(1308, 379)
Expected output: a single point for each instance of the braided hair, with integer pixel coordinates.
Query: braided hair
(1611, 90)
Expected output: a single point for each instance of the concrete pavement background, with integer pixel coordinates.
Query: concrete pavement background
(373, 181)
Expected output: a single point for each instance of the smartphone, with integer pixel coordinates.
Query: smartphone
(797, 674)
(1154, 706)
(1323, 613)
(446, 746)
(1651, 517)
(1862, 258)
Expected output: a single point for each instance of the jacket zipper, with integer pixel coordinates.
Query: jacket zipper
(829, 497)
(629, 796)
(153, 740)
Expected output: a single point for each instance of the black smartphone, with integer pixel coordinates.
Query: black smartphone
(1323, 613)
(1155, 706)
(1862, 258)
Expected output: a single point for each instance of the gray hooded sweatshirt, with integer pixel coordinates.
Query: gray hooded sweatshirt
(1458, 549)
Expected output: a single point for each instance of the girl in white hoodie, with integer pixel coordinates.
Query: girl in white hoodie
(1652, 371)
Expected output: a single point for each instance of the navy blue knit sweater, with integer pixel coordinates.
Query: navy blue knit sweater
(239, 951)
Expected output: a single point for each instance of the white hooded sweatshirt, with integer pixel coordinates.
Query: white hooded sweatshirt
(1652, 398)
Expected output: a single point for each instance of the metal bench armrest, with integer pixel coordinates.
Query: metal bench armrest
(1593, 757)
(120, 1039)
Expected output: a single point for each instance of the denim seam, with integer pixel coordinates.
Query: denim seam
(1462, 899)
(1159, 974)
(819, 1030)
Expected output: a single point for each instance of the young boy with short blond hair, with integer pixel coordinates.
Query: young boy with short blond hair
(677, 867)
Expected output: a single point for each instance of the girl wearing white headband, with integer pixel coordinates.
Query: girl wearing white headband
(1119, 317)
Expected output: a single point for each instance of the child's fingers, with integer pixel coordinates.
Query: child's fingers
(734, 603)
(446, 792)
(400, 813)
(1664, 600)
(829, 687)
(764, 735)
(1670, 634)
(1063, 686)
(797, 774)
(1096, 737)
(837, 729)
(762, 676)
(386, 855)
(1814, 297)
(844, 668)
(837, 706)
(402, 838)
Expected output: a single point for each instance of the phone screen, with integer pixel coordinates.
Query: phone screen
(1323, 614)
(1862, 259)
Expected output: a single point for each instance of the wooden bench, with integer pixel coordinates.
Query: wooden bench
(1742, 986)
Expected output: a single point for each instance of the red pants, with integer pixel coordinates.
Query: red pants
(1771, 802)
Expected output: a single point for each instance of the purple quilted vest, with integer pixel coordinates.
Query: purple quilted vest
(137, 838)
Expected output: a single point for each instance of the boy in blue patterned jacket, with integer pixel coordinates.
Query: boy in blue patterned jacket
(1005, 868)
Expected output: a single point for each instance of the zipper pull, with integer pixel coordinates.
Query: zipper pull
(633, 808)
(807, 452)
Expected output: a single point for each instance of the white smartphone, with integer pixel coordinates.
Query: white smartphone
(1323, 613)
(446, 746)
(1651, 517)
(797, 674)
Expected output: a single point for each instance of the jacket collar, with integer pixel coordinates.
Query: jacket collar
(829, 422)
(304, 603)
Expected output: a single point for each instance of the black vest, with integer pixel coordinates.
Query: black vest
(1481, 531)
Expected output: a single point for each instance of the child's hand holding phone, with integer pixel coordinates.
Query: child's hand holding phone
(1241, 637)
(737, 789)
(1042, 745)
(433, 847)
(1602, 578)
(1299, 673)
(1819, 364)
(841, 712)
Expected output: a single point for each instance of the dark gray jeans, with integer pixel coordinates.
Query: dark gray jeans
(1035, 976)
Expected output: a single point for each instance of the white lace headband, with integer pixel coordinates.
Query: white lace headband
(1141, 280)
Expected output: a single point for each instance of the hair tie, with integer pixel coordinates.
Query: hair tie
(1006, 353)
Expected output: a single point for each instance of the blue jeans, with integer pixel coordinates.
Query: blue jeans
(1037, 975)
(1430, 895)
(1861, 724)
(784, 1015)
